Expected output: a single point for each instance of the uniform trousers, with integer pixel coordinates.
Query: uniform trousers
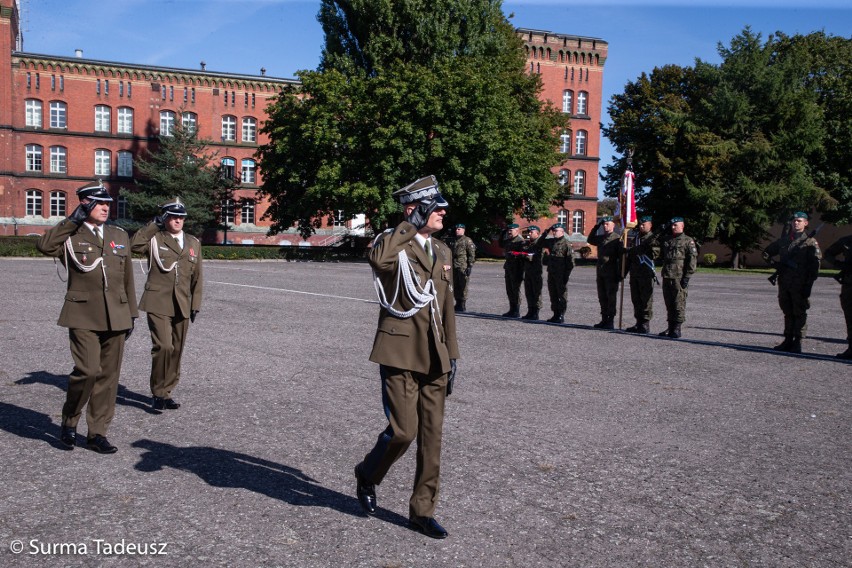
(97, 359)
(608, 296)
(414, 406)
(460, 284)
(533, 282)
(675, 297)
(557, 286)
(514, 275)
(795, 306)
(846, 305)
(168, 335)
(642, 296)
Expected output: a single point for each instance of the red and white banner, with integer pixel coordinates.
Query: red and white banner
(626, 211)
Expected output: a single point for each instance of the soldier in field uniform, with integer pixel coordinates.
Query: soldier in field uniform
(533, 270)
(843, 247)
(99, 312)
(464, 256)
(513, 269)
(642, 251)
(560, 262)
(172, 296)
(610, 250)
(680, 259)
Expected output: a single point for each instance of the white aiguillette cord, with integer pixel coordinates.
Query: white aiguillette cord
(417, 295)
(154, 258)
(69, 252)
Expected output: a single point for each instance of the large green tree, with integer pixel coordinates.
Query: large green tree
(180, 166)
(406, 89)
(732, 147)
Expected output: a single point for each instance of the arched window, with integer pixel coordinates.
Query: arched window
(565, 142)
(249, 129)
(57, 204)
(247, 212)
(34, 157)
(58, 114)
(567, 100)
(34, 200)
(33, 113)
(167, 122)
(229, 168)
(229, 128)
(579, 182)
(125, 164)
(58, 160)
(228, 211)
(583, 103)
(189, 121)
(102, 163)
(577, 222)
(564, 177)
(102, 118)
(121, 208)
(125, 120)
(562, 217)
(248, 171)
(580, 143)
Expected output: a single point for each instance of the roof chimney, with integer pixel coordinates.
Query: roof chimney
(263, 71)
(78, 53)
(203, 66)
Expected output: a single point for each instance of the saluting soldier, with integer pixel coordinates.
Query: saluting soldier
(560, 262)
(843, 247)
(464, 256)
(533, 272)
(798, 269)
(610, 249)
(416, 349)
(680, 259)
(99, 312)
(513, 268)
(172, 296)
(642, 250)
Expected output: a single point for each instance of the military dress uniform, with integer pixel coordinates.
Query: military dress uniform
(642, 251)
(533, 272)
(416, 349)
(679, 255)
(513, 270)
(798, 269)
(844, 247)
(464, 256)
(560, 263)
(99, 311)
(610, 250)
(172, 298)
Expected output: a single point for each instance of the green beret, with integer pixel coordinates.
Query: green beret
(533, 228)
(460, 226)
(800, 215)
(607, 219)
(512, 226)
(676, 220)
(558, 226)
(645, 219)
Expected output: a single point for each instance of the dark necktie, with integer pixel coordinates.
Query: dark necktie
(428, 247)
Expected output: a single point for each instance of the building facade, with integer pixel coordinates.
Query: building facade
(66, 120)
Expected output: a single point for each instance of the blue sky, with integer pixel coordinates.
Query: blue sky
(241, 36)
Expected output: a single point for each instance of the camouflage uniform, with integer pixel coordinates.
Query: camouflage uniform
(464, 255)
(680, 258)
(642, 250)
(798, 269)
(560, 263)
(844, 247)
(610, 249)
(514, 273)
(533, 270)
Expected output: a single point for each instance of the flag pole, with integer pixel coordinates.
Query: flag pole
(627, 215)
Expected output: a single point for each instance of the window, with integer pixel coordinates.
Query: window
(228, 211)
(171, 93)
(229, 168)
(98, 87)
(163, 92)
(53, 82)
(33, 113)
(247, 213)
(229, 128)
(125, 120)
(564, 177)
(121, 207)
(189, 121)
(565, 142)
(34, 157)
(102, 118)
(125, 164)
(562, 217)
(121, 88)
(57, 204)
(29, 80)
(582, 102)
(34, 202)
(102, 165)
(193, 95)
(577, 222)
(38, 81)
(129, 89)
(106, 87)
(62, 82)
(58, 114)
(185, 94)
(167, 122)
(580, 146)
(58, 160)
(249, 130)
(579, 182)
(567, 101)
(248, 171)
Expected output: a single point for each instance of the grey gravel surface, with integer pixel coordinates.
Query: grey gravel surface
(563, 445)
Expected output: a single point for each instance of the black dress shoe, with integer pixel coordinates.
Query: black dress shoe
(366, 493)
(160, 403)
(68, 436)
(428, 526)
(172, 404)
(100, 444)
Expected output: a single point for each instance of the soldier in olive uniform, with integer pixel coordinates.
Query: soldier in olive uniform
(533, 271)
(844, 247)
(513, 269)
(798, 269)
(680, 258)
(642, 251)
(172, 296)
(560, 262)
(464, 256)
(99, 312)
(610, 250)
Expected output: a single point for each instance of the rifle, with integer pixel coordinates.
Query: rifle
(847, 265)
(778, 266)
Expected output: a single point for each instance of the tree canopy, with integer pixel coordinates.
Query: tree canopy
(407, 89)
(737, 146)
(180, 166)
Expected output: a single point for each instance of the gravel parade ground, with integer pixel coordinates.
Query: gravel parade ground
(564, 445)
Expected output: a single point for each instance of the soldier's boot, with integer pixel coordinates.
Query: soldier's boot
(557, 318)
(514, 311)
(460, 306)
(605, 323)
(784, 345)
(847, 355)
(796, 344)
(646, 327)
(532, 314)
(635, 328)
(667, 332)
(675, 331)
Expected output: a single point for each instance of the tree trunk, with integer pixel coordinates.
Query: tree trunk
(735, 259)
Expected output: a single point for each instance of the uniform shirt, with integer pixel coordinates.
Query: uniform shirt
(642, 245)
(800, 257)
(464, 253)
(680, 256)
(610, 250)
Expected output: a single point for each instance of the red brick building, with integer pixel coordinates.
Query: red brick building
(66, 120)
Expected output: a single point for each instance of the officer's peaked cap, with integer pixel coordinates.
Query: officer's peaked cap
(94, 191)
(423, 190)
(175, 208)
